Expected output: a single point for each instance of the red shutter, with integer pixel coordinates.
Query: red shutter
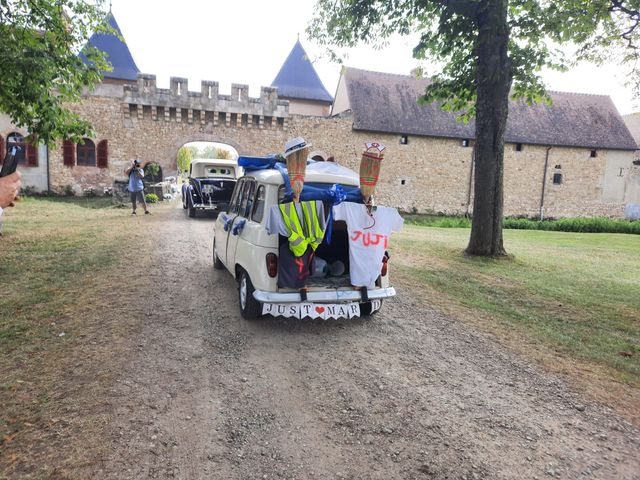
(103, 154)
(68, 153)
(32, 155)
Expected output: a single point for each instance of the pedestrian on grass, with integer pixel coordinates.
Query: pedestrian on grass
(136, 186)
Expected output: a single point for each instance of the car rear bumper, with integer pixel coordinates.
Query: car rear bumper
(329, 296)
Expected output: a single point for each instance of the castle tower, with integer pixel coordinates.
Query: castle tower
(298, 82)
(125, 69)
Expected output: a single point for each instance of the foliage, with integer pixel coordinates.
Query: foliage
(185, 155)
(583, 225)
(39, 46)
(223, 153)
(152, 169)
(210, 151)
(69, 191)
(603, 30)
(151, 198)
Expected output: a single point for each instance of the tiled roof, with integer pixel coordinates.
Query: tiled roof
(118, 54)
(298, 79)
(383, 102)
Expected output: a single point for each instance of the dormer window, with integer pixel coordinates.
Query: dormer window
(466, 142)
(404, 140)
(518, 147)
(594, 153)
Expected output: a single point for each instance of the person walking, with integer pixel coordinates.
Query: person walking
(136, 186)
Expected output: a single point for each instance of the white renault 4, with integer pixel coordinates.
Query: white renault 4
(243, 246)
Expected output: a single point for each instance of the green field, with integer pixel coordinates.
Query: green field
(577, 295)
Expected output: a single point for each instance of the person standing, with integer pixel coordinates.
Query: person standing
(136, 186)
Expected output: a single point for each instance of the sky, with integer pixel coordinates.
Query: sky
(247, 41)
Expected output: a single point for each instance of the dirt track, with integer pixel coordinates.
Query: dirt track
(409, 394)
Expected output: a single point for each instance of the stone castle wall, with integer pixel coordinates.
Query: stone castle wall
(425, 175)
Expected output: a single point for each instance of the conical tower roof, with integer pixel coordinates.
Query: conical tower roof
(298, 79)
(118, 54)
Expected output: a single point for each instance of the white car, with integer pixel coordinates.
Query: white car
(243, 246)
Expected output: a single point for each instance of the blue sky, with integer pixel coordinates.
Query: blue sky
(246, 41)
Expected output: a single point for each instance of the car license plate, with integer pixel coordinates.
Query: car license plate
(324, 311)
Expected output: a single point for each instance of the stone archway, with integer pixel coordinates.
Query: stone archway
(172, 150)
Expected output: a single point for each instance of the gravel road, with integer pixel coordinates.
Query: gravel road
(408, 394)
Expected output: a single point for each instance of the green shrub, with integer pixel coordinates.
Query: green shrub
(151, 198)
(580, 225)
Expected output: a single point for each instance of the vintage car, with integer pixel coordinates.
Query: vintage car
(210, 185)
(243, 246)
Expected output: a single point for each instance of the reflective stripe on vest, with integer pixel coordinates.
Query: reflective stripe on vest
(298, 239)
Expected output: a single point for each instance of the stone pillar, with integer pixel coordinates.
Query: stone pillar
(203, 117)
(190, 115)
(215, 118)
(261, 122)
(178, 115)
(154, 112)
(140, 109)
(125, 111)
(167, 114)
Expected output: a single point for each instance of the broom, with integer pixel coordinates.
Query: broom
(370, 170)
(296, 167)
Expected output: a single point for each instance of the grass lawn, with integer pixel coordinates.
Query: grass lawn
(575, 295)
(62, 270)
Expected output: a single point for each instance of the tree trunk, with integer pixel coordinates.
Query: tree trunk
(493, 77)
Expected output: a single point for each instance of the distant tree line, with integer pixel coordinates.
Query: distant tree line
(188, 153)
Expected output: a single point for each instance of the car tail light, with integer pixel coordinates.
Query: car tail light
(385, 259)
(272, 264)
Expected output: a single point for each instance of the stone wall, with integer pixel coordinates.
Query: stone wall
(425, 175)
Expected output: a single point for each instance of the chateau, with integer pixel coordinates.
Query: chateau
(572, 158)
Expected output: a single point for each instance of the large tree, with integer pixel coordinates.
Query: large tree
(488, 50)
(39, 64)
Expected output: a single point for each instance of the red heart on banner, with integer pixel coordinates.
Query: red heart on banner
(319, 309)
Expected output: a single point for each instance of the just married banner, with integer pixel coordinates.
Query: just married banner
(324, 311)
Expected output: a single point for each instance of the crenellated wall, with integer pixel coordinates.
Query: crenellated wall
(178, 104)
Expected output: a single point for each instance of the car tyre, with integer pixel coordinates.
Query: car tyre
(184, 203)
(191, 208)
(365, 309)
(249, 306)
(217, 264)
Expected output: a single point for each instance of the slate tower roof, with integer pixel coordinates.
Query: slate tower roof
(298, 79)
(383, 102)
(118, 54)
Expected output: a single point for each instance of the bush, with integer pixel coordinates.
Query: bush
(580, 225)
(151, 198)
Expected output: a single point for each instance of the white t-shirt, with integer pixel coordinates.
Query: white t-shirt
(368, 239)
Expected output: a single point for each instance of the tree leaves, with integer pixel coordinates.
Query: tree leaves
(41, 71)
(598, 30)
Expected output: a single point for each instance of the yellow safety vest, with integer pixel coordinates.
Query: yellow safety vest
(302, 237)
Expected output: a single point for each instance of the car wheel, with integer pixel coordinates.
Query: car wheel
(249, 306)
(184, 203)
(191, 208)
(217, 264)
(365, 309)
